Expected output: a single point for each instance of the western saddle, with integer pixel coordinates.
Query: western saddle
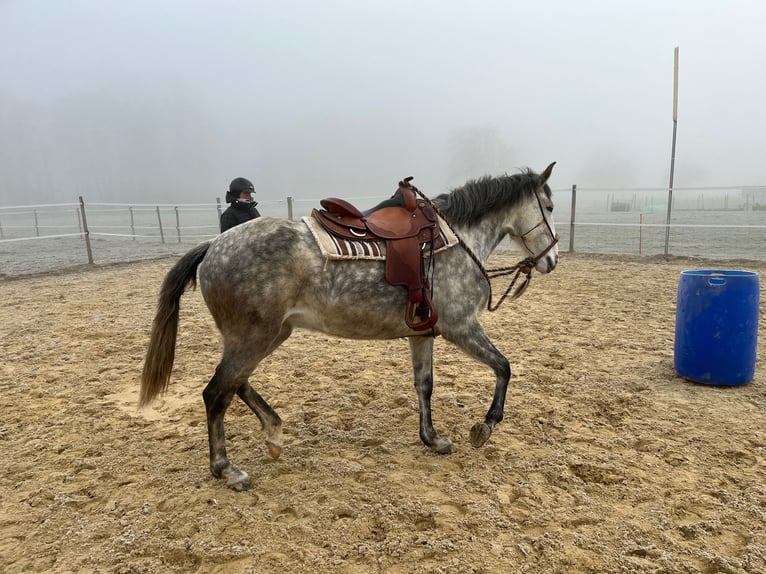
(409, 226)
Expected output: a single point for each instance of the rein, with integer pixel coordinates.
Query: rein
(524, 266)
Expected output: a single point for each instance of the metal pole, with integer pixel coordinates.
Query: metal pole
(178, 225)
(37, 227)
(85, 231)
(673, 147)
(159, 220)
(289, 208)
(132, 223)
(572, 219)
(2, 235)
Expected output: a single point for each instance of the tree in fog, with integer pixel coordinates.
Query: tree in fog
(477, 151)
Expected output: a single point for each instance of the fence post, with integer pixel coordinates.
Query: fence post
(218, 208)
(572, 219)
(2, 235)
(132, 223)
(667, 222)
(159, 221)
(289, 208)
(37, 227)
(672, 147)
(86, 233)
(178, 225)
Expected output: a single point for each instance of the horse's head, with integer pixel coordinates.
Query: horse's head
(532, 226)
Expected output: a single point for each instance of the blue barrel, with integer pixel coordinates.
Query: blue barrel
(717, 326)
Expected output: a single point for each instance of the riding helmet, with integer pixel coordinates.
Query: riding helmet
(237, 186)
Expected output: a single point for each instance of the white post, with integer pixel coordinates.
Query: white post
(572, 219)
(159, 222)
(178, 225)
(86, 232)
(673, 147)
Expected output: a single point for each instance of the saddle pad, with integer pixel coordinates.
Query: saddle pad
(336, 248)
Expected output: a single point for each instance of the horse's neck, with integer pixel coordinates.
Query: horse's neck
(481, 239)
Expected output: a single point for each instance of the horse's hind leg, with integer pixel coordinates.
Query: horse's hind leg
(270, 421)
(422, 349)
(218, 395)
(238, 362)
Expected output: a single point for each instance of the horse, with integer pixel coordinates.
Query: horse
(267, 277)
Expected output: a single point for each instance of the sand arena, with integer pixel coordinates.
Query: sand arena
(605, 462)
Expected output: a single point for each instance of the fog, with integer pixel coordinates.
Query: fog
(168, 100)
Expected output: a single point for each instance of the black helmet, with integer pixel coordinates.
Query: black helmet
(237, 186)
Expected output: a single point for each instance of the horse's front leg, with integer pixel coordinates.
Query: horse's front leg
(474, 341)
(480, 432)
(422, 349)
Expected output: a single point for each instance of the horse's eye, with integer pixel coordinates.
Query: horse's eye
(550, 209)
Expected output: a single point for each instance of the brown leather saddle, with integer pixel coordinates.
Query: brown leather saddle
(409, 226)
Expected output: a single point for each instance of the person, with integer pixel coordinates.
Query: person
(242, 208)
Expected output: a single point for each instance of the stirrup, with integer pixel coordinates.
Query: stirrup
(417, 309)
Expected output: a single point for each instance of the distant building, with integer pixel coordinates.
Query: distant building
(614, 204)
(754, 197)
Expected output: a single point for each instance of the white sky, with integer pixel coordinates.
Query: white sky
(169, 99)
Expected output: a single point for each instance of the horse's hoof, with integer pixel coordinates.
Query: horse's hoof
(238, 481)
(480, 434)
(274, 449)
(442, 445)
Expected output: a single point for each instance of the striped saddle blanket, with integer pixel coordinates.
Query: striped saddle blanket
(333, 247)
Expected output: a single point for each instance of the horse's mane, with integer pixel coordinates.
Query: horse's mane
(477, 198)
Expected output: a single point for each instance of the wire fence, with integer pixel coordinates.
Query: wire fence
(713, 223)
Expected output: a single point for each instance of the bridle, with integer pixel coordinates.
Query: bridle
(522, 267)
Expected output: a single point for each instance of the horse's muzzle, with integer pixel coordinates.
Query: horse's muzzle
(548, 263)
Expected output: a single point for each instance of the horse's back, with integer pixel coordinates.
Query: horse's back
(258, 255)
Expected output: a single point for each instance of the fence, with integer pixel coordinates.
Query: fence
(720, 223)
(705, 222)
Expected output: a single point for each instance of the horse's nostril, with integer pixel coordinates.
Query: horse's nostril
(548, 264)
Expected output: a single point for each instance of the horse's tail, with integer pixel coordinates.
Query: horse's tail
(162, 344)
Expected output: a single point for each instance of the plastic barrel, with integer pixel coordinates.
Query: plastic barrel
(717, 326)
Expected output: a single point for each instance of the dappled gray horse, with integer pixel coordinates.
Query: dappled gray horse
(267, 277)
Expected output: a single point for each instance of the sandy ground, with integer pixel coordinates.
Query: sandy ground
(606, 461)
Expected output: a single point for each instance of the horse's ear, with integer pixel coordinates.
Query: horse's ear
(547, 173)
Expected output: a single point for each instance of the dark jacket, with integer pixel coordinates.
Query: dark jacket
(237, 213)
